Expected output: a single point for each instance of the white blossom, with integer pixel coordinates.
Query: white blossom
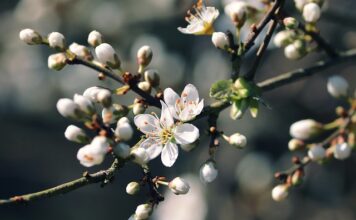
(30, 36)
(342, 151)
(93, 153)
(305, 129)
(56, 40)
(80, 51)
(187, 106)
(85, 104)
(337, 86)
(208, 172)
(143, 211)
(200, 23)
(220, 40)
(280, 192)
(311, 12)
(107, 55)
(57, 61)
(75, 134)
(179, 186)
(68, 108)
(316, 153)
(132, 188)
(95, 38)
(163, 135)
(122, 150)
(124, 131)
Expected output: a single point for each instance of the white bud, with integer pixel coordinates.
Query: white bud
(95, 38)
(123, 120)
(237, 140)
(132, 188)
(92, 92)
(143, 211)
(144, 86)
(342, 151)
(299, 4)
(311, 12)
(152, 77)
(337, 86)
(104, 97)
(76, 134)
(238, 12)
(208, 172)
(292, 52)
(68, 108)
(179, 186)
(140, 156)
(305, 129)
(80, 51)
(316, 153)
(101, 143)
(122, 150)
(124, 131)
(107, 55)
(295, 144)
(220, 40)
(280, 192)
(56, 40)
(57, 61)
(85, 104)
(90, 155)
(138, 108)
(144, 55)
(283, 38)
(290, 23)
(30, 36)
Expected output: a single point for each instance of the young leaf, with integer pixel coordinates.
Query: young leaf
(254, 108)
(221, 90)
(238, 108)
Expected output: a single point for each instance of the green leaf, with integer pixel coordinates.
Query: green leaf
(221, 90)
(238, 108)
(254, 107)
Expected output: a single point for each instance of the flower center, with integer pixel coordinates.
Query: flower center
(166, 135)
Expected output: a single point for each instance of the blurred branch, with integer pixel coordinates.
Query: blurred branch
(103, 177)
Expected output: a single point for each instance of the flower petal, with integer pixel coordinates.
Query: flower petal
(166, 116)
(190, 94)
(170, 98)
(187, 114)
(147, 123)
(152, 147)
(186, 134)
(200, 107)
(169, 154)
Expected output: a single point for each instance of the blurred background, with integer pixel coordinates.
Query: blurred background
(35, 155)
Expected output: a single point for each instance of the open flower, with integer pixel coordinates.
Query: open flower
(187, 106)
(200, 22)
(163, 135)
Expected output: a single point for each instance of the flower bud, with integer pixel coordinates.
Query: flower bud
(124, 131)
(95, 39)
(107, 55)
(342, 151)
(283, 38)
(80, 51)
(104, 97)
(152, 77)
(143, 211)
(337, 86)
(140, 156)
(311, 12)
(305, 129)
(30, 37)
(290, 23)
(208, 172)
(237, 11)
(316, 153)
(123, 120)
(56, 40)
(280, 192)
(122, 150)
(101, 143)
(144, 86)
(68, 108)
(295, 144)
(57, 61)
(144, 56)
(75, 134)
(179, 186)
(220, 40)
(90, 155)
(114, 113)
(299, 4)
(295, 50)
(85, 104)
(237, 140)
(132, 188)
(138, 108)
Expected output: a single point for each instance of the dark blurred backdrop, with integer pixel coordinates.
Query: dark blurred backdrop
(35, 155)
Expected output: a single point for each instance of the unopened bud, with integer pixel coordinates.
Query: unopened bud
(104, 97)
(124, 131)
(284, 38)
(179, 186)
(220, 40)
(85, 104)
(140, 156)
(238, 12)
(305, 129)
(342, 151)
(316, 153)
(237, 140)
(56, 40)
(143, 211)
(95, 39)
(57, 61)
(337, 86)
(311, 12)
(152, 77)
(138, 108)
(144, 56)
(208, 172)
(122, 150)
(68, 108)
(30, 37)
(107, 55)
(280, 192)
(132, 188)
(80, 51)
(76, 134)
(295, 51)
(144, 86)
(295, 144)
